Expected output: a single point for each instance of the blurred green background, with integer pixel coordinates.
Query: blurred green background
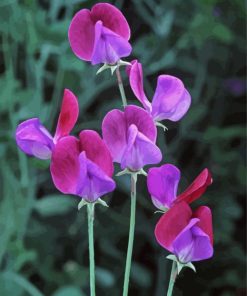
(43, 238)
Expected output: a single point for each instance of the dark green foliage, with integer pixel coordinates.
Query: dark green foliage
(43, 238)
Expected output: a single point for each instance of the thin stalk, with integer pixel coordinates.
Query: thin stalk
(173, 276)
(90, 215)
(121, 88)
(131, 235)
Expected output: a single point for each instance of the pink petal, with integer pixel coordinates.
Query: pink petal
(162, 185)
(34, 139)
(171, 224)
(142, 120)
(81, 34)
(109, 47)
(65, 166)
(197, 188)
(96, 150)
(114, 132)
(136, 83)
(205, 215)
(171, 100)
(112, 18)
(139, 151)
(68, 115)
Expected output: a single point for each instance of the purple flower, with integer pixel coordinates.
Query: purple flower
(82, 167)
(100, 35)
(130, 137)
(236, 86)
(189, 236)
(34, 139)
(171, 100)
(163, 182)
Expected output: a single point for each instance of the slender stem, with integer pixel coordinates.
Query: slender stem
(172, 278)
(121, 88)
(131, 234)
(90, 213)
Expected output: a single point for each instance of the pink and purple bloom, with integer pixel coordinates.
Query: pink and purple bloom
(189, 236)
(162, 183)
(100, 35)
(130, 137)
(35, 140)
(82, 167)
(171, 99)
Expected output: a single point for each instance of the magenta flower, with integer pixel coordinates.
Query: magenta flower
(171, 100)
(163, 182)
(82, 167)
(100, 35)
(34, 139)
(130, 137)
(189, 236)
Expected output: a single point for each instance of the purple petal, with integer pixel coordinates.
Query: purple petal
(192, 244)
(65, 167)
(112, 19)
(171, 99)
(109, 47)
(34, 139)
(136, 83)
(95, 183)
(140, 151)
(162, 185)
(142, 120)
(114, 133)
(81, 35)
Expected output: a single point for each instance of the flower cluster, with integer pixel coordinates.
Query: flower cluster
(83, 166)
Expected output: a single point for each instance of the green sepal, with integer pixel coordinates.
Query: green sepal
(101, 202)
(181, 265)
(83, 203)
(129, 172)
(123, 63)
(161, 125)
(113, 68)
(161, 211)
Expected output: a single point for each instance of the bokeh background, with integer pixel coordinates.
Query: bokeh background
(43, 237)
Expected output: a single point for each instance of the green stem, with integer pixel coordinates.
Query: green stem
(121, 88)
(131, 234)
(90, 213)
(172, 278)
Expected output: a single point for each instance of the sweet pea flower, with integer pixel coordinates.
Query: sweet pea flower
(100, 35)
(171, 100)
(163, 182)
(189, 236)
(130, 137)
(35, 140)
(83, 166)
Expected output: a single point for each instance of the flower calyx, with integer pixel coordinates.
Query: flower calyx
(181, 265)
(84, 202)
(113, 67)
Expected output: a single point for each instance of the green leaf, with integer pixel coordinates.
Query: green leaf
(105, 277)
(68, 291)
(22, 282)
(141, 275)
(55, 205)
